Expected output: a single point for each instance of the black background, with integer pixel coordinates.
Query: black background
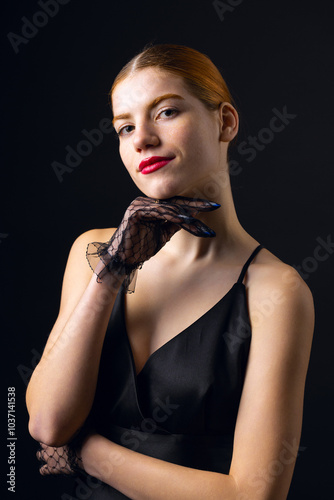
(273, 54)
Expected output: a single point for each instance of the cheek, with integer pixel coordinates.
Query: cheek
(183, 137)
(193, 142)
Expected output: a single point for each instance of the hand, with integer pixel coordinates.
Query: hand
(58, 461)
(146, 227)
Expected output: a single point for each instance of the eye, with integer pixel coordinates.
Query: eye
(125, 130)
(167, 113)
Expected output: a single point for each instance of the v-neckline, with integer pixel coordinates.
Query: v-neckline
(177, 336)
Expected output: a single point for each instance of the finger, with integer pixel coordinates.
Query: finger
(165, 220)
(189, 205)
(159, 213)
(187, 222)
(197, 228)
(198, 204)
(172, 216)
(44, 470)
(168, 229)
(159, 209)
(40, 453)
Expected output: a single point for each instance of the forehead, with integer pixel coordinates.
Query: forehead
(143, 86)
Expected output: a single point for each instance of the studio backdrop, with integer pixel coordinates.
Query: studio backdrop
(61, 175)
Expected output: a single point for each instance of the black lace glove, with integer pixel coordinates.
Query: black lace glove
(146, 227)
(61, 461)
(64, 460)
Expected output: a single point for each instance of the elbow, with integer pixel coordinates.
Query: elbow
(48, 432)
(51, 426)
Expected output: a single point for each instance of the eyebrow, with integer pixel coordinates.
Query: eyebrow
(151, 105)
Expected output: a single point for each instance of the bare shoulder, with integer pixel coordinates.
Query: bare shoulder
(99, 235)
(269, 276)
(78, 273)
(277, 294)
(77, 254)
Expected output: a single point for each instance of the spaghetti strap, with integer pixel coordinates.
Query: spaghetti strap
(245, 267)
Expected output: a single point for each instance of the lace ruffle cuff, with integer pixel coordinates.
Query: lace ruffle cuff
(102, 262)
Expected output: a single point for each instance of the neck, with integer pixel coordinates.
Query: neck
(230, 235)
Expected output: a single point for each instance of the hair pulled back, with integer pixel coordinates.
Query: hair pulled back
(200, 75)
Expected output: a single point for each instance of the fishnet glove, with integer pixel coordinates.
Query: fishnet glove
(64, 460)
(146, 227)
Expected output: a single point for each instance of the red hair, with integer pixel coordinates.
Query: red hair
(200, 75)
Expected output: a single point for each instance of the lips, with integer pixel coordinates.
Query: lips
(153, 163)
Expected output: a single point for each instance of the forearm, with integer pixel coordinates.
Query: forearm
(62, 387)
(144, 478)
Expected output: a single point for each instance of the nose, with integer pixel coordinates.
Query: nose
(145, 137)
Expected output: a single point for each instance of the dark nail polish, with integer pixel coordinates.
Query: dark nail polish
(210, 233)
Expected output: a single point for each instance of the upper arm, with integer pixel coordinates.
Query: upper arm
(76, 278)
(270, 413)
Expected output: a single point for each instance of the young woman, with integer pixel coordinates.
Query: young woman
(192, 386)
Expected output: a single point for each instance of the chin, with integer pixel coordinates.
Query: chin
(161, 192)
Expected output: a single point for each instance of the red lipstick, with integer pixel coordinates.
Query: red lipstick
(153, 163)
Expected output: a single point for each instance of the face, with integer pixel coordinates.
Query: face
(169, 142)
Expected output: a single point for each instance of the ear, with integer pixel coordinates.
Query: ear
(229, 122)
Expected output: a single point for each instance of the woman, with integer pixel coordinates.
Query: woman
(191, 387)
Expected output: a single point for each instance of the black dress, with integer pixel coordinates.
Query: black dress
(182, 406)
